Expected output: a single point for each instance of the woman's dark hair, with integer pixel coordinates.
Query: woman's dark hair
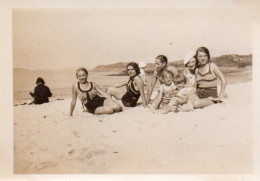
(81, 69)
(135, 66)
(204, 50)
(40, 81)
(162, 58)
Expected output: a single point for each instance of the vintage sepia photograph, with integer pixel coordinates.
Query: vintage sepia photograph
(129, 90)
(132, 91)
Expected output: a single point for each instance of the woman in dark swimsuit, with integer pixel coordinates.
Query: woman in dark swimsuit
(92, 96)
(134, 88)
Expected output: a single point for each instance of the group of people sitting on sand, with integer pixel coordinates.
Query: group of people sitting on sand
(195, 87)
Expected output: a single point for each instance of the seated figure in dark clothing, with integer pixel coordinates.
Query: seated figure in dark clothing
(41, 92)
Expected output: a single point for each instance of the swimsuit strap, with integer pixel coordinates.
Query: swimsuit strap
(88, 96)
(132, 78)
(130, 86)
(210, 69)
(208, 72)
(91, 87)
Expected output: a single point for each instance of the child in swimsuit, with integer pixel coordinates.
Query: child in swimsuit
(167, 91)
(180, 101)
(91, 96)
(178, 97)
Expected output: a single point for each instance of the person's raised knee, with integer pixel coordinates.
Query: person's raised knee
(109, 110)
(109, 90)
(195, 104)
(117, 108)
(105, 110)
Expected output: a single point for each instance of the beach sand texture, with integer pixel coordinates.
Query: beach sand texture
(216, 139)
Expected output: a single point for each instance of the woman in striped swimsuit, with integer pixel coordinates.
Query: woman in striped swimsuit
(134, 88)
(206, 76)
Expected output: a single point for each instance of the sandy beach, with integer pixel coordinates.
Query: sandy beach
(216, 139)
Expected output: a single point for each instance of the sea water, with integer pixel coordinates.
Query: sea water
(59, 82)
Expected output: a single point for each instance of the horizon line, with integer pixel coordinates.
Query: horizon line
(91, 68)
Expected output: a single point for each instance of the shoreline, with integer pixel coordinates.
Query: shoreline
(65, 93)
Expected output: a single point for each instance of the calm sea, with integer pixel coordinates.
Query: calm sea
(59, 82)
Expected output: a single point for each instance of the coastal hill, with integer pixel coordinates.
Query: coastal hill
(232, 63)
(224, 61)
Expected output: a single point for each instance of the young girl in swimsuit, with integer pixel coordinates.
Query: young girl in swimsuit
(180, 101)
(172, 96)
(167, 91)
(92, 96)
(134, 88)
(206, 76)
(161, 64)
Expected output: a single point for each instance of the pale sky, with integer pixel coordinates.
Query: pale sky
(70, 38)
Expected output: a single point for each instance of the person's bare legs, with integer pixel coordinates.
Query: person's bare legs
(104, 110)
(173, 102)
(115, 106)
(167, 109)
(185, 107)
(156, 97)
(116, 92)
(199, 103)
(155, 104)
(202, 103)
